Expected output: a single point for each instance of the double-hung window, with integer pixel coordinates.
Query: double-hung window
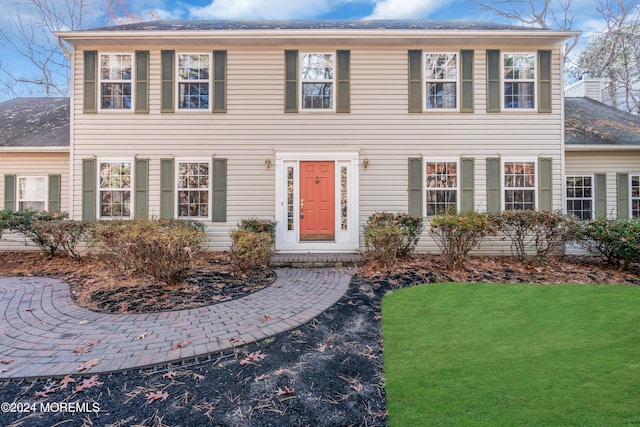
(194, 189)
(116, 76)
(194, 81)
(317, 72)
(580, 196)
(519, 76)
(441, 81)
(114, 189)
(441, 186)
(32, 193)
(635, 196)
(519, 184)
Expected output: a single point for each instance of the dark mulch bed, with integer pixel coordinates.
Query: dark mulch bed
(327, 372)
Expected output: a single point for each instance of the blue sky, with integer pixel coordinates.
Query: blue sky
(586, 19)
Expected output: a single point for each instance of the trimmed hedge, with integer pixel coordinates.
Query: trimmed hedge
(391, 236)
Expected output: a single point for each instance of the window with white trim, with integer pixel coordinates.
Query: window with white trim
(194, 81)
(635, 196)
(317, 77)
(520, 185)
(441, 187)
(32, 193)
(114, 189)
(193, 189)
(580, 196)
(441, 81)
(519, 77)
(116, 76)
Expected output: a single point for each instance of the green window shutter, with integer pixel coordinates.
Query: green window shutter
(494, 189)
(10, 193)
(90, 100)
(219, 190)
(343, 104)
(166, 188)
(142, 81)
(545, 182)
(466, 92)
(291, 81)
(220, 81)
(544, 81)
(601, 195)
(89, 190)
(54, 193)
(141, 174)
(622, 180)
(415, 81)
(493, 81)
(467, 182)
(167, 59)
(415, 186)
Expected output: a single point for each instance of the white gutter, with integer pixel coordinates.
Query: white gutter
(37, 149)
(601, 147)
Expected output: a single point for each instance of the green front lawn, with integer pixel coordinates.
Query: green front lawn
(488, 354)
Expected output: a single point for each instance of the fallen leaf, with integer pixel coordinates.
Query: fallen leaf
(261, 377)
(80, 350)
(264, 319)
(141, 336)
(66, 381)
(285, 392)
(88, 364)
(87, 383)
(6, 361)
(256, 356)
(94, 343)
(157, 395)
(237, 341)
(181, 344)
(48, 389)
(198, 377)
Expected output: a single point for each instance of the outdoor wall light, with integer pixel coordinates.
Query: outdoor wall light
(365, 163)
(267, 163)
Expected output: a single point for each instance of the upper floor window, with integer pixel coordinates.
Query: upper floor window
(635, 196)
(194, 82)
(441, 81)
(32, 193)
(519, 74)
(580, 196)
(193, 178)
(441, 187)
(114, 189)
(116, 74)
(519, 183)
(317, 75)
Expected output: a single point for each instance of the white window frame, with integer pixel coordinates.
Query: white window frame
(592, 198)
(534, 80)
(181, 81)
(631, 197)
(177, 189)
(332, 81)
(130, 189)
(425, 174)
(425, 81)
(102, 81)
(46, 191)
(536, 178)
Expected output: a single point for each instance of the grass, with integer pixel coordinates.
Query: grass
(509, 355)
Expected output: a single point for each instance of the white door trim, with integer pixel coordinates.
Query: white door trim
(289, 240)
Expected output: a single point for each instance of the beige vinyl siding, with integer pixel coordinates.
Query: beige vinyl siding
(33, 164)
(255, 127)
(611, 163)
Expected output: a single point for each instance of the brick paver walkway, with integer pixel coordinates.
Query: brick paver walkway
(41, 326)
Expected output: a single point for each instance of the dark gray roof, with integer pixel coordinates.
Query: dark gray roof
(340, 24)
(589, 122)
(35, 122)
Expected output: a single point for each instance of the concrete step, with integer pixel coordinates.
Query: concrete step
(325, 260)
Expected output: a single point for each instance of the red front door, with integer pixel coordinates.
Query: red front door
(317, 201)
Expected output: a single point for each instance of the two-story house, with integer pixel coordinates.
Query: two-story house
(314, 124)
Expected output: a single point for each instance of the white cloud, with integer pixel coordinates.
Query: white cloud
(261, 9)
(405, 9)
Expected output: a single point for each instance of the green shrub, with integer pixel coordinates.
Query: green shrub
(543, 232)
(259, 226)
(162, 249)
(616, 241)
(389, 236)
(250, 249)
(52, 232)
(457, 235)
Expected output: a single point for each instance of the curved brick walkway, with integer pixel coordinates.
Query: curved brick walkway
(41, 326)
